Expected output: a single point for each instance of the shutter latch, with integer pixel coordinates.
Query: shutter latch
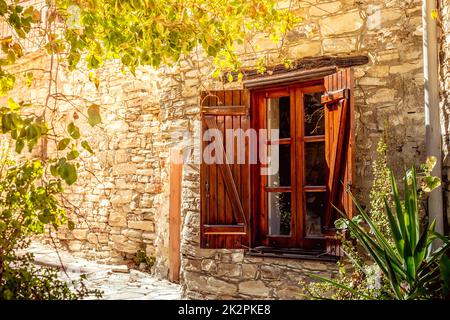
(335, 96)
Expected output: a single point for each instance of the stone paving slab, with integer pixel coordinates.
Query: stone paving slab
(122, 284)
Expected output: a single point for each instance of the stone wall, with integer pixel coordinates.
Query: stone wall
(116, 198)
(445, 98)
(126, 204)
(389, 98)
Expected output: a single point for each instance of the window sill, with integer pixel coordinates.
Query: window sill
(268, 252)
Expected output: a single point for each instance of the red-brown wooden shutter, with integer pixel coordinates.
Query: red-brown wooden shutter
(225, 188)
(339, 144)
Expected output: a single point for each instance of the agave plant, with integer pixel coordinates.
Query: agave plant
(412, 267)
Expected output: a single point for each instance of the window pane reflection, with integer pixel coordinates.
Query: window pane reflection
(279, 116)
(315, 164)
(315, 209)
(280, 213)
(281, 178)
(314, 114)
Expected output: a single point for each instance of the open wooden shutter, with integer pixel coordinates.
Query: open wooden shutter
(339, 142)
(225, 188)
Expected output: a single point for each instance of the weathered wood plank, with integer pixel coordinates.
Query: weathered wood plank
(305, 64)
(176, 168)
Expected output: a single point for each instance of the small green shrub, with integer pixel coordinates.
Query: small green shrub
(409, 268)
(22, 280)
(28, 206)
(390, 257)
(356, 271)
(381, 189)
(142, 257)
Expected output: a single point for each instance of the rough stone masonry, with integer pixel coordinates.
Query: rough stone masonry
(124, 207)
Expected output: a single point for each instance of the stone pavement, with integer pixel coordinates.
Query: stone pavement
(117, 282)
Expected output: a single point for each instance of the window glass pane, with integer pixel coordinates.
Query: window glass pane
(315, 165)
(314, 114)
(281, 174)
(280, 214)
(279, 116)
(315, 209)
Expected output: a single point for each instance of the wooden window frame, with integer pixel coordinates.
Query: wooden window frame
(298, 188)
(230, 192)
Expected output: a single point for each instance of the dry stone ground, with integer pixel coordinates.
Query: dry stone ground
(117, 282)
